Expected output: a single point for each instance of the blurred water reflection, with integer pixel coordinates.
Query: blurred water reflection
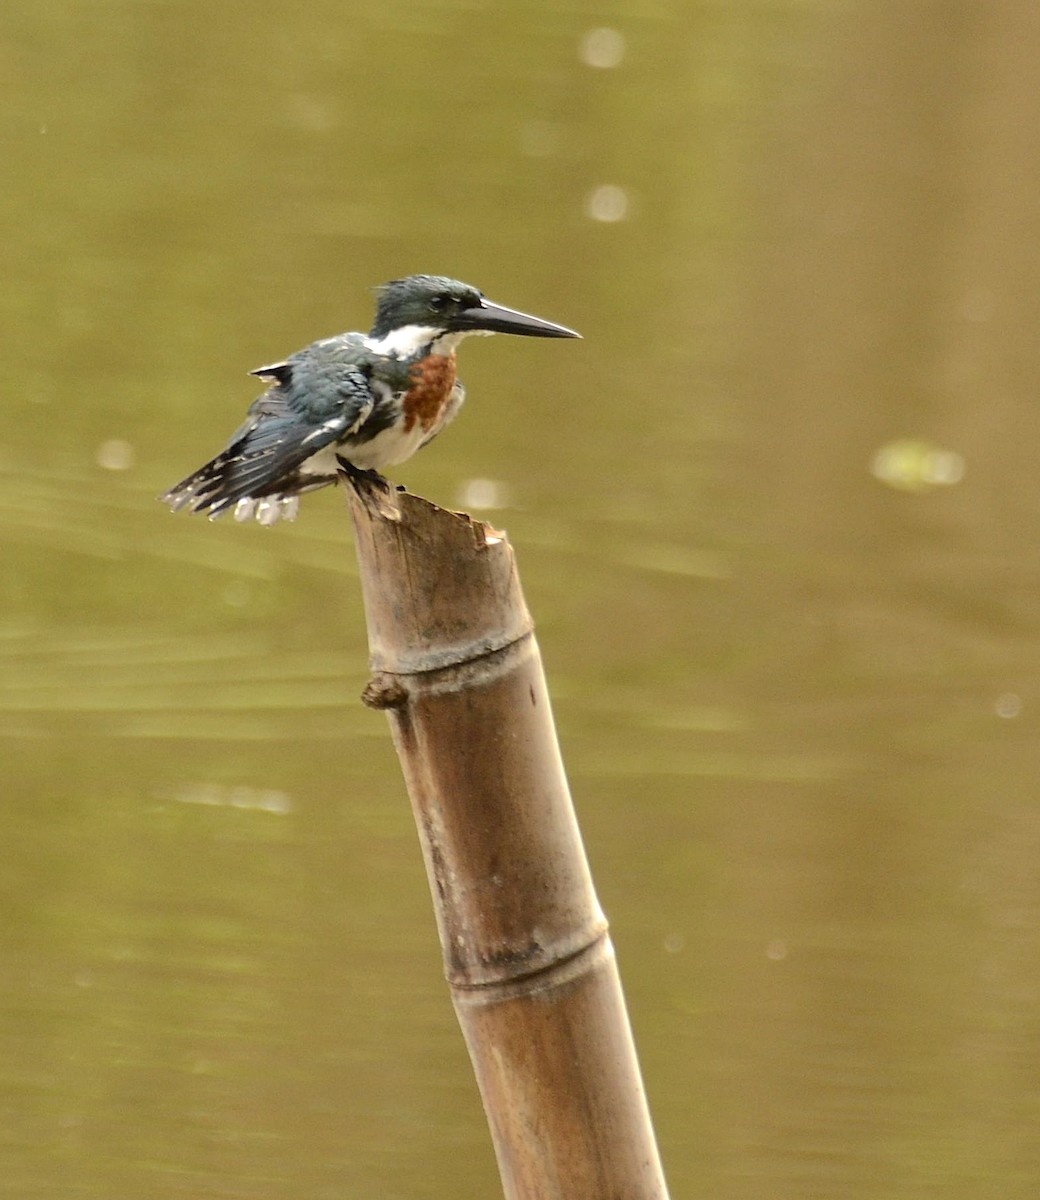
(777, 521)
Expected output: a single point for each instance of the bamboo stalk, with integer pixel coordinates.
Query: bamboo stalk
(526, 949)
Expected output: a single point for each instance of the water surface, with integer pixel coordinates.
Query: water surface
(777, 518)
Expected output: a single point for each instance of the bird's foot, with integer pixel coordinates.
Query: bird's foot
(356, 475)
(374, 492)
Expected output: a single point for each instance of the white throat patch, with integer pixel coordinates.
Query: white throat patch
(410, 339)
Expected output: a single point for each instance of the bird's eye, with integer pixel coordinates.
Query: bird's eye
(439, 301)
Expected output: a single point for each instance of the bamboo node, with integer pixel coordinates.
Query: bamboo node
(384, 691)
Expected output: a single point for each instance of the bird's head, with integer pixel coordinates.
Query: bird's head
(437, 305)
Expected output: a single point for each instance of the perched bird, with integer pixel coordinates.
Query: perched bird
(357, 402)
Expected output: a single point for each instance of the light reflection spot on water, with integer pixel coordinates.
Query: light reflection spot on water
(483, 493)
(913, 465)
(115, 455)
(602, 48)
(776, 949)
(607, 203)
(269, 800)
(1008, 706)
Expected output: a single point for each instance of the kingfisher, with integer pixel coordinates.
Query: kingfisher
(354, 402)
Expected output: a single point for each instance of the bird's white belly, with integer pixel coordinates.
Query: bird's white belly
(388, 448)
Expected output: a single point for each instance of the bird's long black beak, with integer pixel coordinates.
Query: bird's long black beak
(496, 318)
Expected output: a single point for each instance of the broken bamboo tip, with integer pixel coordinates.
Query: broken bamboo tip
(439, 587)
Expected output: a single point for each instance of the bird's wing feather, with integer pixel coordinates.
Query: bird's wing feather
(324, 399)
